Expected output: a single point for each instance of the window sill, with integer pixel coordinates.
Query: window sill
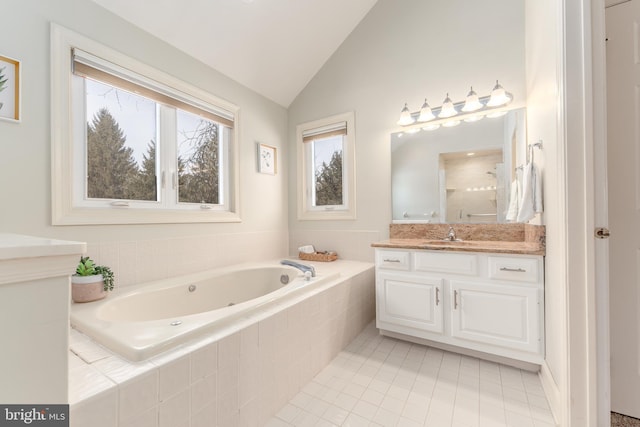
(89, 216)
(327, 215)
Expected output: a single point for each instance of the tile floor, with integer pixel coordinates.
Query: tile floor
(381, 381)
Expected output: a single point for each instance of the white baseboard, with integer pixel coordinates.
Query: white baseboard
(552, 392)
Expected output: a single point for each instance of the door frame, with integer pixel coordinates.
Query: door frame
(601, 213)
(583, 118)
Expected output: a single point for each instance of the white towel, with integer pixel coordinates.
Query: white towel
(531, 200)
(514, 201)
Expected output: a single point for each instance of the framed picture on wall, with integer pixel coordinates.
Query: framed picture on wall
(9, 89)
(267, 159)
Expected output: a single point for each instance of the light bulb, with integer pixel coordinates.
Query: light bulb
(499, 96)
(447, 109)
(472, 103)
(405, 116)
(425, 112)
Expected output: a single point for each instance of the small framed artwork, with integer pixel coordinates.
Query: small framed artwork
(9, 89)
(267, 159)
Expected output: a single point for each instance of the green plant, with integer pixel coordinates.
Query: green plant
(86, 267)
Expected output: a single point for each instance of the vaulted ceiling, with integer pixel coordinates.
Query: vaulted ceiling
(273, 47)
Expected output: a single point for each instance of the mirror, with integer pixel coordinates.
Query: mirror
(458, 174)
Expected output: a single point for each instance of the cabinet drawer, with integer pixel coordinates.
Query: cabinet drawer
(519, 269)
(447, 262)
(393, 260)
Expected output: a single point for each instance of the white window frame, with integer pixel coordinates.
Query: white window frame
(67, 207)
(306, 177)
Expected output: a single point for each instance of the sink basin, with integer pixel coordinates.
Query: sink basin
(454, 243)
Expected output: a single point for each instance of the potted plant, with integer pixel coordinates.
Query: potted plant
(90, 282)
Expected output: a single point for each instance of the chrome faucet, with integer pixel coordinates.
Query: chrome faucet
(451, 236)
(302, 267)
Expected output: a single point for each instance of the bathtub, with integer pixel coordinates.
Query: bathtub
(144, 320)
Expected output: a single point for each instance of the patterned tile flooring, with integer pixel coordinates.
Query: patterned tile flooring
(381, 381)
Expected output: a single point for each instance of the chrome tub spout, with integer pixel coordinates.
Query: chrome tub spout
(302, 267)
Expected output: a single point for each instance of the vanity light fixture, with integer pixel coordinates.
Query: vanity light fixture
(425, 112)
(472, 102)
(447, 110)
(405, 116)
(473, 108)
(499, 96)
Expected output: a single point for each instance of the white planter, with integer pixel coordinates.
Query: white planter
(87, 288)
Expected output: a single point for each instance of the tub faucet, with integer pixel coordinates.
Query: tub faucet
(302, 267)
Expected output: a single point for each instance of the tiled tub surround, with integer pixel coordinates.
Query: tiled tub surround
(239, 375)
(497, 238)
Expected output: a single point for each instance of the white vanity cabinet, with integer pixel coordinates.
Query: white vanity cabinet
(491, 303)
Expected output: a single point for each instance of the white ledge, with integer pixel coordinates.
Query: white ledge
(15, 246)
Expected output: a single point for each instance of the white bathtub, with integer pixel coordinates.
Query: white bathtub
(144, 320)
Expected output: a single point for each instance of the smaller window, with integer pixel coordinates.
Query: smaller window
(326, 173)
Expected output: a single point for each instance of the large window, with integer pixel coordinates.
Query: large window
(137, 145)
(327, 168)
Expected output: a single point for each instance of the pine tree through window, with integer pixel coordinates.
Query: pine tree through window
(327, 160)
(121, 148)
(326, 154)
(198, 159)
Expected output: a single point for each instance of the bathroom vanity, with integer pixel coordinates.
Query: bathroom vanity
(483, 296)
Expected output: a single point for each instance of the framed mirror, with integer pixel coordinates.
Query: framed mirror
(458, 174)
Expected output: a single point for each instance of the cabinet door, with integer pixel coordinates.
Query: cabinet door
(410, 301)
(506, 316)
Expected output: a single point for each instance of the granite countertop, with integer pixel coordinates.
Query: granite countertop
(518, 247)
(524, 239)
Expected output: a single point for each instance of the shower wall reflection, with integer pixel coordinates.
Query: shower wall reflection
(474, 185)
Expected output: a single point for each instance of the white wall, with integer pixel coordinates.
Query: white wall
(164, 250)
(543, 49)
(402, 52)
